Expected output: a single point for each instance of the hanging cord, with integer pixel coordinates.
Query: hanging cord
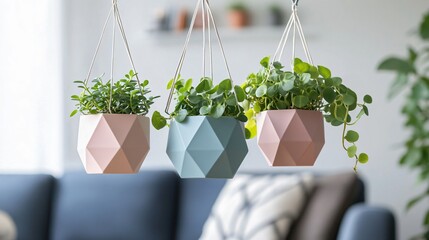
(98, 45)
(117, 20)
(294, 22)
(182, 57)
(207, 10)
(112, 62)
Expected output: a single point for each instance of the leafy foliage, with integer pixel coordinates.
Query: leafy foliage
(127, 97)
(206, 99)
(412, 73)
(307, 87)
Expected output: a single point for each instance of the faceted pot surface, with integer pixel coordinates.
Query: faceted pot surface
(113, 143)
(205, 147)
(291, 137)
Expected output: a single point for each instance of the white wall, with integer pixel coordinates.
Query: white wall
(350, 37)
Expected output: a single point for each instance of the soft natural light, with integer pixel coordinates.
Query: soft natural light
(30, 97)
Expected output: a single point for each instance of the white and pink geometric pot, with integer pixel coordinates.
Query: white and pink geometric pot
(291, 137)
(113, 143)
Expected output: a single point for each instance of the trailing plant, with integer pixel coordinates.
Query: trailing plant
(412, 73)
(206, 99)
(307, 87)
(125, 97)
(238, 6)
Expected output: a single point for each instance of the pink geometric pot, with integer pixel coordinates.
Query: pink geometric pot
(113, 143)
(291, 137)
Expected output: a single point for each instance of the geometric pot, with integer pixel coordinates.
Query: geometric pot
(206, 147)
(113, 143)
(291, 137)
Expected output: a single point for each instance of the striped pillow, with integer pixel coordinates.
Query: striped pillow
(255, 207)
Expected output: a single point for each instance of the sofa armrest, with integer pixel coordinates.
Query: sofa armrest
(363, 222)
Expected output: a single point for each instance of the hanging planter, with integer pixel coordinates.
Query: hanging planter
(290, 137)
(206, 136)
(114, 134)
(285, 108)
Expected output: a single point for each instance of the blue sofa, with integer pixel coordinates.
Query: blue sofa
(158, 205)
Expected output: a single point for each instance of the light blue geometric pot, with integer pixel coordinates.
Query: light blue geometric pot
(206, 147)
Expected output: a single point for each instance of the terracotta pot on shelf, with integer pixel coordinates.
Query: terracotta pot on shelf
(113, 143)
(206, 147)
(291, 137)
(238, 18)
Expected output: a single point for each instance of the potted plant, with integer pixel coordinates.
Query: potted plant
(238, 15)
(276, 15)
(114, 134)
(206, 136)
(286, 110)
(411, 74)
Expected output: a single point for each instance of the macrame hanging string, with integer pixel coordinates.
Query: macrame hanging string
(116, 21)
(208, 23)
(294, 24)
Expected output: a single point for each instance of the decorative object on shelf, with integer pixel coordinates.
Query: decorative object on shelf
(238, 15)
(299, 97)
(276, 16)
(206, 136)
(411, 74)
(114, 133)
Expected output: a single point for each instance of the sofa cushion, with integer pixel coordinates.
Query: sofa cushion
(27, 199)
(322, 217)
(112, 207)
(258, 207)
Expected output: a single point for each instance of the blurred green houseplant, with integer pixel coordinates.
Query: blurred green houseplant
(412, 73)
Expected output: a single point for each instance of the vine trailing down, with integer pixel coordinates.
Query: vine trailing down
(307, 87)
(412, 73)
(125, 96)
(206, 99)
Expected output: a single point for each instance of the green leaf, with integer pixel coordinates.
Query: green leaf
(351, 151)
(181, 115)
(246, 105)
(340, 113)
(239, 92)
(329, 95)
(398, 85)
(272, 91)
(396, 64)
(230, 101)
(305, 77)
(301, 67)
(287, 85)
(324, 72)
(158, 121)
(363, 158)
(74, 113)
(170, 84)
(277, 65)
(314, 72)
(203, 86)
(265, 62)
(188, 85)
(336, 81)
(349, 99)
(367, 99)
(415, 200)
(352, 136)
(261, 91)
(300, 101)
(366, 110)
(225, 85)
(205, 110)
(220, 109)
(257, 107)
(424, 27)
